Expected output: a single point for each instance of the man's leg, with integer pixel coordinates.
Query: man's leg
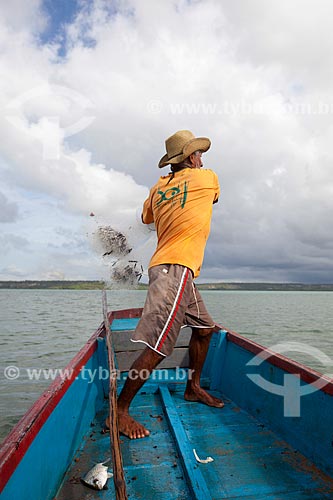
(198, 349)
(144, 364)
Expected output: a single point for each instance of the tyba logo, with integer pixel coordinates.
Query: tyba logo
(292, 389)
(49, 129)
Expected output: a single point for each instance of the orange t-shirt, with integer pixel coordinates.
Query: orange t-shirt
(181, 208)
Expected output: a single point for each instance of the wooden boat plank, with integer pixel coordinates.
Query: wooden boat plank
(126, 351)
(123, 342)
(179, 357)
(195, 479)
(249, 459)
(123, 324)
(290, 495)
(150, 464)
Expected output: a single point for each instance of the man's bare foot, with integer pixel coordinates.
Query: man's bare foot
(129, 427)
(200, 395)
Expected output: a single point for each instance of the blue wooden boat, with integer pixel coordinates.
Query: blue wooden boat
(268, 442)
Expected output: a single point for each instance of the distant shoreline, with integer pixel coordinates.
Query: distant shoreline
(99, 285)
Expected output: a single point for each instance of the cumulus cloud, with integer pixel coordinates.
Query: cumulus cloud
(43, 163)
(20, 16)
(254, 77)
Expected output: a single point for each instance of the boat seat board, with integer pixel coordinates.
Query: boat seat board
(179, 357)
(126, 351)
(250, 461)
(123, 342)
(121, 324)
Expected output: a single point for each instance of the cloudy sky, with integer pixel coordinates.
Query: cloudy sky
(89, 91)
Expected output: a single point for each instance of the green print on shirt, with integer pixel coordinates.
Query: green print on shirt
(170, 194)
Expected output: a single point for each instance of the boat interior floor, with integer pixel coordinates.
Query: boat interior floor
(250, 461)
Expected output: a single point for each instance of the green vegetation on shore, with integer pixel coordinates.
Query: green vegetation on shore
(300, 287)
(99, 285)
(53, 285)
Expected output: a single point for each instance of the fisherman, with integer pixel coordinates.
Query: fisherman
(180, 206)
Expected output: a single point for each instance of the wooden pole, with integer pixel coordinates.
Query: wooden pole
(118, 471)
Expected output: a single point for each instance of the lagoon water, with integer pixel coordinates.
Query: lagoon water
(43, 329)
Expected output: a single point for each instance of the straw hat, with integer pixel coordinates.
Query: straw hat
(181, 145)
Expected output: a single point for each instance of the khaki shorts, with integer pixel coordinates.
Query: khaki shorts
(172, 302)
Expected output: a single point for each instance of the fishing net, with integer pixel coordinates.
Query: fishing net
(125, 251)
